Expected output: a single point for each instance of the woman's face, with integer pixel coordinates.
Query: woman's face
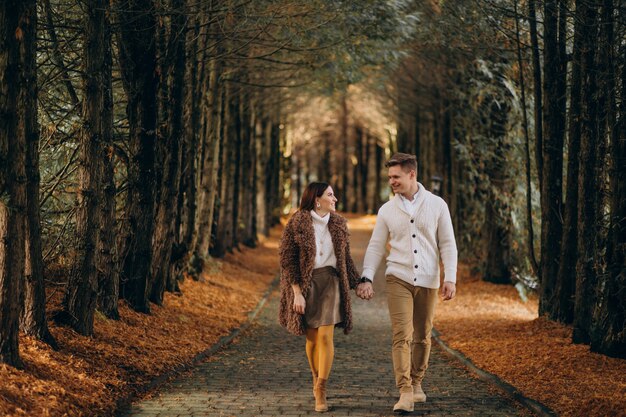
(326, 202)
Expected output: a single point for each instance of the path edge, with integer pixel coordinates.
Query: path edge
(533, 405)
(123, 403)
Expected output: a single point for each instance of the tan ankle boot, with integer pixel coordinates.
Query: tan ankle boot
(418, 394)
(405, 403)
(314, 381)
(320, 395)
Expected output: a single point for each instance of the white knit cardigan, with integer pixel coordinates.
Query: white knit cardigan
(418, 241)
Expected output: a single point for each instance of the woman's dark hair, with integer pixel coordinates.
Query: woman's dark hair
(311, 192)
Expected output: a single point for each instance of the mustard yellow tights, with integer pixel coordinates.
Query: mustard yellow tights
(320, 350)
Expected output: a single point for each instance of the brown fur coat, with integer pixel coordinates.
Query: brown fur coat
(297, 258)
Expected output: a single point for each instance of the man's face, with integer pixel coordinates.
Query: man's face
(400, 181)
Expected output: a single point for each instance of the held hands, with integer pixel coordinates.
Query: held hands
(365, 290)
(448, 291)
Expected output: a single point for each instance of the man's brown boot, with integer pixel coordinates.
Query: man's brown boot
(320, 395)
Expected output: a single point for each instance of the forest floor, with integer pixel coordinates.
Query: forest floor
(486, 322)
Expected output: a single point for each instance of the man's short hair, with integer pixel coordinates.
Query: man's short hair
(406, 161)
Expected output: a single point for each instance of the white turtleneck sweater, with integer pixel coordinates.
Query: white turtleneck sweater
(419, 233)
(324, 249)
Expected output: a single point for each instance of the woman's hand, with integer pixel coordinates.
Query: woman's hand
(299, 302)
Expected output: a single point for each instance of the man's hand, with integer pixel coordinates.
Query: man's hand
(299, 303)
(448, 291)
(365, 290)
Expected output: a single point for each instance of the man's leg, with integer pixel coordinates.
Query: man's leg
(423, 314)
(400, 303)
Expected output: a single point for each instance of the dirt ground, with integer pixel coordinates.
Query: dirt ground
(487, 322)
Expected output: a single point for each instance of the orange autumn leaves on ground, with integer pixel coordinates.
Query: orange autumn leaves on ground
(88, 375)
(502, 335)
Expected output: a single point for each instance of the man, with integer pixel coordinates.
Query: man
(418, 226)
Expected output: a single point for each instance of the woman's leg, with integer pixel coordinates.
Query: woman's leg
(326, 350)
(312, 351)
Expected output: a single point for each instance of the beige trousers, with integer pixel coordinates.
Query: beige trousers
(411, 310)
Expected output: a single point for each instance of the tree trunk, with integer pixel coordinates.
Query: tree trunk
(376, 201)
(262, 141)
(189, 174)
(417, 141)
(356, 169)
(138, 63)
(529, 213)
(538, 96)
(79, 303)
(276, 163)
(344, 153)
(364, 158)
(551, 184)
(223, 233)
(562, 308)
(13, 145)
(33, 320)
(211, 163)
(108, 273)
(608, 335)
(247, 186)
(589, 181)
(57, 56)
(164, 232)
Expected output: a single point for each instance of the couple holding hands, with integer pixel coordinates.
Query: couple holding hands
(317, 273)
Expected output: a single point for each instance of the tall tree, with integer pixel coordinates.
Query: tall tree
(13, 92)
(228, 181)
(562, 306)
(79, 304)
(33, 320)
(167, 206)
(137, 51)
(211, 143)
(538, 96)
(589, 178)
(608, 335)
(552, 154)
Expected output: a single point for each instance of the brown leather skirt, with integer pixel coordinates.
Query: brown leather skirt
(323, 299)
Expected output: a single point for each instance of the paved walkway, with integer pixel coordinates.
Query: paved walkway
(265, 372)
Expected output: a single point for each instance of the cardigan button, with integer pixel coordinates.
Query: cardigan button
(412, 221)
(415, 251)
(413, 235)
(415, 266)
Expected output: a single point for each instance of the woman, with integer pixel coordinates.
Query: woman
(317, 273)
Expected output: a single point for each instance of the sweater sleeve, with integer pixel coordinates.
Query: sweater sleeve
(289, 254)
(376, 248)
(447, 244)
